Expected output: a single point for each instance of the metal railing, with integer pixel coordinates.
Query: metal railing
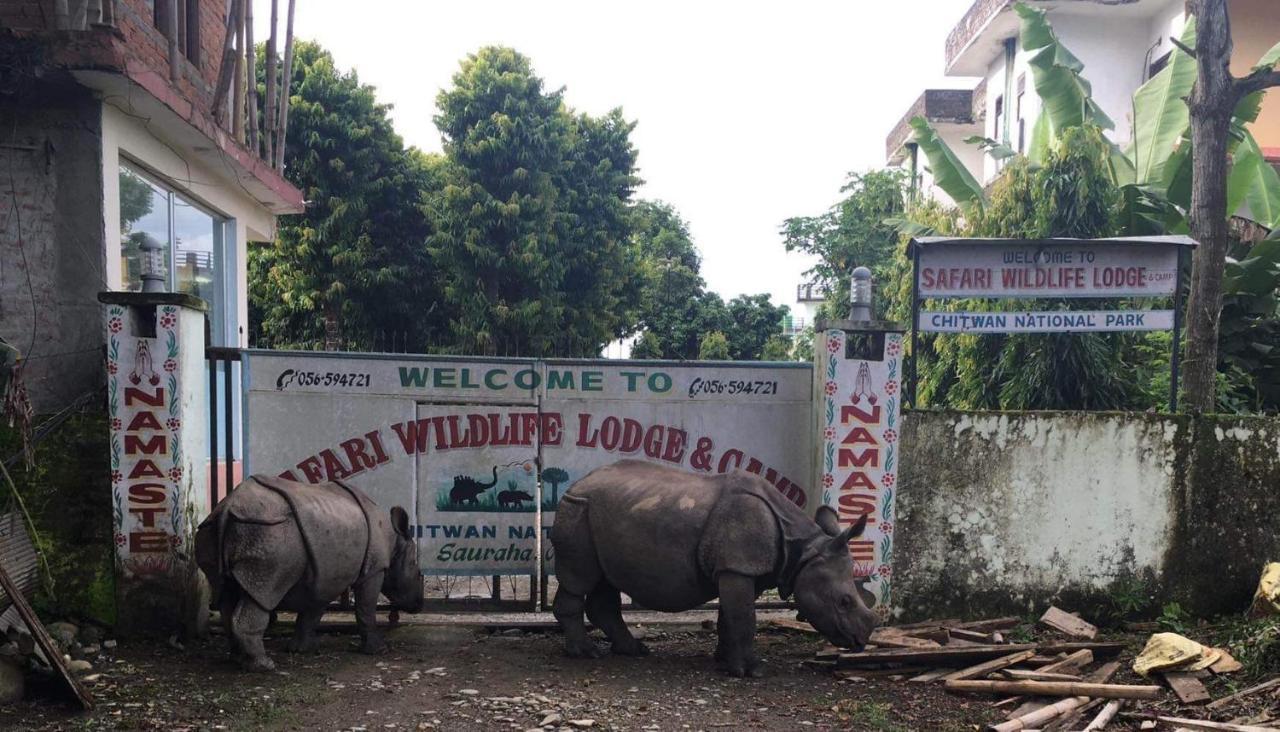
(226, 405)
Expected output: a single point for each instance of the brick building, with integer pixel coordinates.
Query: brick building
(108, 131)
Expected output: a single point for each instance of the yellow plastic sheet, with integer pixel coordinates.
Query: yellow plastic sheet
(1267, 598)
(1170, 650)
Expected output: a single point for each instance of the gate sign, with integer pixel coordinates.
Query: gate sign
(461, 443)
(1120, 267)
(1053, 268)
(1056, 321)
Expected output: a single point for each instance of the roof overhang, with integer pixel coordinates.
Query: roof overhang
(978, 39)
(943, 108)
(170, 116)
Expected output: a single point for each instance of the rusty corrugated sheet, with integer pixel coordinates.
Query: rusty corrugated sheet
(17, 556)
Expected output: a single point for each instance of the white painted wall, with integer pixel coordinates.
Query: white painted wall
(125, 136)
(1115, 49)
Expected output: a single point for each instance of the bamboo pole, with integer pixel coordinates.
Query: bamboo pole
(269, 107)
(227, 68)
(286, 84)
(1104, 717)
(1058, 688)
(1033, 720)
(251, 78)
(175, 69)
(237, 82)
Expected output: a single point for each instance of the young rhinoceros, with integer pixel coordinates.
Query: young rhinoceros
(673, 540)
(276, 544)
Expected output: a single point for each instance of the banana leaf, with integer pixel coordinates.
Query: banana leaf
(949, 173)
(1160, 113)
(1255, 182)
(1065, 95)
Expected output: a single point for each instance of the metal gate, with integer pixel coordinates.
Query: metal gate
(480, 450)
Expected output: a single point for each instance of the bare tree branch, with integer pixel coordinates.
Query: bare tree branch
(1258, 80)
(228, 66)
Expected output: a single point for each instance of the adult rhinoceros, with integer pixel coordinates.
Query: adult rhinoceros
(277, 544)
(673, 540)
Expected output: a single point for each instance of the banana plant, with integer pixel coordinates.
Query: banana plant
(949, 173)
(1160, 114)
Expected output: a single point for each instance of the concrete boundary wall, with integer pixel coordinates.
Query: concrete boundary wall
(1005, 512)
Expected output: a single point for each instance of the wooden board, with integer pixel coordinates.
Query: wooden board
(1187, 687)
(946, 656)
(987, 667)
(1207, 725)
(929, 677)
(972, 636)
(1251, 690)
(991, 624)
(1068, 624)
(1225, 664)
(1098, 648)
(1057, 689)
(1017, 673)
(1076, 660)
(43, 640)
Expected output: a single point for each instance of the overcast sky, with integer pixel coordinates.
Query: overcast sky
(748, 112)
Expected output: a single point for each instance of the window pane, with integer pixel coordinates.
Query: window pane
(196, 252)
(144, 209)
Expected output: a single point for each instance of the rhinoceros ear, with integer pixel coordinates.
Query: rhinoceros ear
(840, 542)
(400, 521)
(828, 520)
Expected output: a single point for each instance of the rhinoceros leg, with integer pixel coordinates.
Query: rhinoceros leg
(248, 623)
(568, 609)
(736, 646)
(227, 601)
(604, 609)
(304, 633)
(367, 614)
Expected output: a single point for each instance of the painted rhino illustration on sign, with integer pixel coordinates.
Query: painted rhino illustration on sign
(277, 544)
(673, 540)
(513, 499)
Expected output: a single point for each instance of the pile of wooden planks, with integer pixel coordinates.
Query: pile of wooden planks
(1049, 684)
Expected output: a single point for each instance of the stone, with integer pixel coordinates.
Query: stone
(552, 719)
(90, 635)
(79, 666)
(90, 650)
(582, 723)
(109, 644)
(469, 692)
(13, 683)
(64, 633)
(22, 639)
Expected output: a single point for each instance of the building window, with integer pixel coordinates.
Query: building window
(188, 24)
(1158, 65)
(1021, 117)
(998, 134)
(195, 242)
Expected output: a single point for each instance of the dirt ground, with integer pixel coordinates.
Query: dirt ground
(456, 677)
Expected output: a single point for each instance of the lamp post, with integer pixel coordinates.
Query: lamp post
(153, 263)
(860, 303)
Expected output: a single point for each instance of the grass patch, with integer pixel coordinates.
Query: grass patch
(487, 503)
(1255, 643)
(867, 715)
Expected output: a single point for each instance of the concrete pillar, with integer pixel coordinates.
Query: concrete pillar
(156, 377)
(858, 384)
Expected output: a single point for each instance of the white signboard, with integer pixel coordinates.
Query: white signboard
(1056, 321)
(1013, 270)
(859, 402)
(457, 442)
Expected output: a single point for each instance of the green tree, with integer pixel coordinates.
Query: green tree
(353, 266)
(777, 348)
(646, 347)
(675, 309)
(714, 347)
(532, 226)
(857, 231)
(753, 321)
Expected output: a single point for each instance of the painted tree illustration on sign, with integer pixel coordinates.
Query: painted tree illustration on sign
(555, 476)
